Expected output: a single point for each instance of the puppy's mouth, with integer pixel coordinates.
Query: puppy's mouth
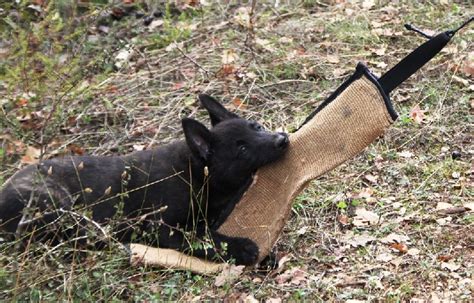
(282, 141)
(280, 146)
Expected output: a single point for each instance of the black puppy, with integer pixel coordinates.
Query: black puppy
(174, 197)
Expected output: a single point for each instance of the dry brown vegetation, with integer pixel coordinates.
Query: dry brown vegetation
(394, 224)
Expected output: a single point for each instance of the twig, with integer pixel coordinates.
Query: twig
(248, 92)
(286, 81)
(251, 31)
(192, 60)
(453, 210)
(159, 210)
(89, 220)
(23, 220)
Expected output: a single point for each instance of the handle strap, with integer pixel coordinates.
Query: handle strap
(417, 58)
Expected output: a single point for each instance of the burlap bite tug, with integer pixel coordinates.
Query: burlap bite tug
(339, 131)
(356, 114)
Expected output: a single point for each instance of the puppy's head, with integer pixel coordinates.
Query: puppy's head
(235, 147)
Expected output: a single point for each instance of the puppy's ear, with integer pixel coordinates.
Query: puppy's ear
(217, 112)
(198, 137)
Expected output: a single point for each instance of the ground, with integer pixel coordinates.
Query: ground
(396, 223)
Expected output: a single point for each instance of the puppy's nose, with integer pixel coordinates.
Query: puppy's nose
(281, 142)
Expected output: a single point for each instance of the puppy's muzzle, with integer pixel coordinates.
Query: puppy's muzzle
(281, 141)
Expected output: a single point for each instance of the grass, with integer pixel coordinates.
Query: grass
(63, 93)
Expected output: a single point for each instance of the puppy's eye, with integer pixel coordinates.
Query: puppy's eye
(242, 146)
(257, 127)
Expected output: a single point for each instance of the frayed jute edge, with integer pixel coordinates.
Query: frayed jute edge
(142, 255)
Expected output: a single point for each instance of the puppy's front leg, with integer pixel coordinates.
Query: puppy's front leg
(243, 250)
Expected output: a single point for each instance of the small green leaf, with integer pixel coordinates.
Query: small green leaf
(355, 202)
(96, 274)
(342, 205)
(10, 23)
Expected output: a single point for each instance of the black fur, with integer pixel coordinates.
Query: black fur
(150, 192)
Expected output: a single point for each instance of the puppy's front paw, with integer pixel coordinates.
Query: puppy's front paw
(244, 251)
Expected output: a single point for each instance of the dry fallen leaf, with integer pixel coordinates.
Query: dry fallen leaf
(229, 56)
(444, 221)
(443, 205)
(173, 46)
(76, 149)
(282, 262)
(295, 276)
(302, 230)
(265, 44)
(227, 69)
(31, 155)
(400, 247)
(444, 258)
(251, 75)
(453, 210)
(239, 103)
(460, 80)
(405, 154)
(205, 3)
(193, 3)
(242, 17)
(417, 115)
(368, 4)
(413, 252)
(450, 266)
(22, 102)
(178, 85)
(332, 59)
(468, 66)
(339, 72)
(371, 178)
(383, 32)
(298, 277)
(343, 219)
(12, 146)
(358, 240)
(123, 57)
(382, 65)
(376, 24)
(380, 51)
(469, 206)
(384, 257)
(154, 24)
(250, 299)
(365, 217)
(138, 147)
(395, 238)
(301, 50)
(285, 40)
(365, 193)
(229, 274)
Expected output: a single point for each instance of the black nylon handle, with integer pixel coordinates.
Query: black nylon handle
(414, 61)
